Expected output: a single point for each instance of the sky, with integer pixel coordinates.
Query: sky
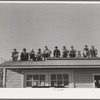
(38, 25)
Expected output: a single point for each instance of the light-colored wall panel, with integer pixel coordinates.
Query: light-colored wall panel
(83, 78)
(14, 79)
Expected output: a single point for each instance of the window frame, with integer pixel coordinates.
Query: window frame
(60, 73)
(47, 74)
(33, 79)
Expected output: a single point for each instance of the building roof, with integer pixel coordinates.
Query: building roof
(55, 63)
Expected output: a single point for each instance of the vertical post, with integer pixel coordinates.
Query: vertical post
(4, 77)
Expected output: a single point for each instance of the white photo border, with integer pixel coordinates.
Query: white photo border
(50, 93)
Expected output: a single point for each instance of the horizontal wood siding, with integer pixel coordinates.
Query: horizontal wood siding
(14, 79)
(83, 78)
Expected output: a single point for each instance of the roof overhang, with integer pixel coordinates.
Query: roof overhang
(55, 63)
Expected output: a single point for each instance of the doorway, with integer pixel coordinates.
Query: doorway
(97, 81)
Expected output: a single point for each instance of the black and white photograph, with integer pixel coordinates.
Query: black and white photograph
(49, 45)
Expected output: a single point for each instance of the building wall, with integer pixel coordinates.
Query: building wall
(83, 78)
(14, 78)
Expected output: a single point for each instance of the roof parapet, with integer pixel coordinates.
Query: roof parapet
(76, 58)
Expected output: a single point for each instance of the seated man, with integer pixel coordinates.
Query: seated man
(32, 55)
(39, 55)
(14, 55)
(72, 52)
(24, 55)
(46, 53)
(56, 52)
(65, 52)
(93, 52)
(86, 51)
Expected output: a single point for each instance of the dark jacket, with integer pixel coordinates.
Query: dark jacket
(24, 56)
(32, 55)
(65, 53)
(93, 53)
(72, 53)
(56, 53)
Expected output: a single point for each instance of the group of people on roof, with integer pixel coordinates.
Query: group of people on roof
(25, 56)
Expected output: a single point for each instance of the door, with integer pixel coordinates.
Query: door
(97, 81)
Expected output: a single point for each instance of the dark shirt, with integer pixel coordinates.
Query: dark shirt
(32, 55)
(86, 49)
(39, 56)
(14, 54)
(56, 53)
(72, 53)
(24, 56)
(86, 52)
(93, 52)
(65, 53)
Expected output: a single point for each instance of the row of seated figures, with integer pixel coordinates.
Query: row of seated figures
(25, 56)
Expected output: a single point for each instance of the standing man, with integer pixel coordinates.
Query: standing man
(86, 52)
(56, 52)
(72, 52)
(65, 52)
(32, 55)
(14, 55)
(93, 52)
(24, 55)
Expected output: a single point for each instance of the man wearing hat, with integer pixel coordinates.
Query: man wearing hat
(14, 55)
(24, 55)
(93, 52)
(46, 53)
(39, 55)
(32, 55)
(86, 52)
(56, 52)
(72, 52)
(65, 52)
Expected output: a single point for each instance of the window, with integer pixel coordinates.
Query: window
(46, 79)
(35, 80)
(97, 81)
(29, 80)
(59, 80)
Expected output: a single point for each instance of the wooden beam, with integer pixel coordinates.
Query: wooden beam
(4, 77)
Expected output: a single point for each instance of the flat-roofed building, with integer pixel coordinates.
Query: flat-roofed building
(54, 72)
